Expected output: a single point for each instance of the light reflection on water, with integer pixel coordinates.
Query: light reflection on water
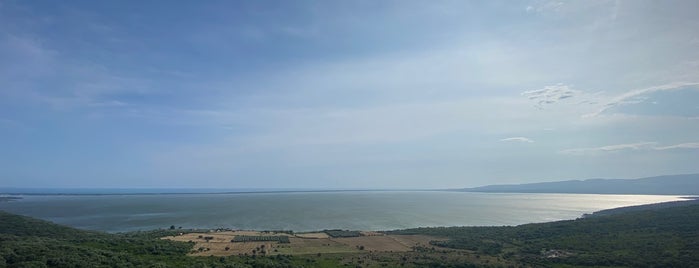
(316, 211)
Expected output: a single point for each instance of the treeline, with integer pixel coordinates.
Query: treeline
(653, 238)
(342, 233)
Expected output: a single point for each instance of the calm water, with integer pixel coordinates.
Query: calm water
(315, 211)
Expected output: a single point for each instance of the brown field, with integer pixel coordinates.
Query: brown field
(387, 243)
(312, 235)
(308, 243)
(299, 246)
(221, 240)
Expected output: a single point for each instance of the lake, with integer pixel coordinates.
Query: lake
(308, 211)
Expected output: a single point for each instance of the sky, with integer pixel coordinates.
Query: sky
(345, 94)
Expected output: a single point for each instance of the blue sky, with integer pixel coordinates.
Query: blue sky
(345, 94)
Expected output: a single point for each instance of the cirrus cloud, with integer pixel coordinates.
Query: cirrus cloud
(638, 95)
(638, 146)
(517, 139)
(551, 94)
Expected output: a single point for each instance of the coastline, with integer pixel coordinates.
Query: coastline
(689, 200)
(374, 211)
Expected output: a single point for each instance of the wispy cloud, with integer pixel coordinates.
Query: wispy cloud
(611, 148)
(598, 103)
(517, 139)
(545, 6)
(638, 95)
(689, 145)
(551, 94)
(639, 146)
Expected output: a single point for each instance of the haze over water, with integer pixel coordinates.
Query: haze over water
(315, 210)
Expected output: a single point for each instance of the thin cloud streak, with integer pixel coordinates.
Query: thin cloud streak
(598, 101)
(629, 96)
(689, 145)
(517, 139)
(639, 146)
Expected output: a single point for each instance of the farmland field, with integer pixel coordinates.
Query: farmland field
(257, 243)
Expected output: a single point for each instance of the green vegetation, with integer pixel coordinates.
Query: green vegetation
(259, 238)
(651, 238)
(28, 242)
(342, 233)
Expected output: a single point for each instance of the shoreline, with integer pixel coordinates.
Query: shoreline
(687, 201)
(152, 220)
(228, 242)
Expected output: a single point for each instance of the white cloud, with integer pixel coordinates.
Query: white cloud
(597, 103)
(518, 139)
(610, 148)
(638, 95)
(689, 145)
(545, 6)
(551, 94)
(646, 146)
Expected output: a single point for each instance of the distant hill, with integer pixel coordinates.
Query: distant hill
(687, 184)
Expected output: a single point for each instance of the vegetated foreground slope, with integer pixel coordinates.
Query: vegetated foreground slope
(28, 242)
(666, 237)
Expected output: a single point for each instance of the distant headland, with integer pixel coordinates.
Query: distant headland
(685, 184)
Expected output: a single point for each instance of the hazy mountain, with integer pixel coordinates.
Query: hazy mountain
(687, 184)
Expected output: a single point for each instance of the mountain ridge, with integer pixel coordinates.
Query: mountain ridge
(682, 184)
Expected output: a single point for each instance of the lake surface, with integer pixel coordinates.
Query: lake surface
(315, 211)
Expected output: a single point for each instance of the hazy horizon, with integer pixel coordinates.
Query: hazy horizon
(230, 190)
(345, 95)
